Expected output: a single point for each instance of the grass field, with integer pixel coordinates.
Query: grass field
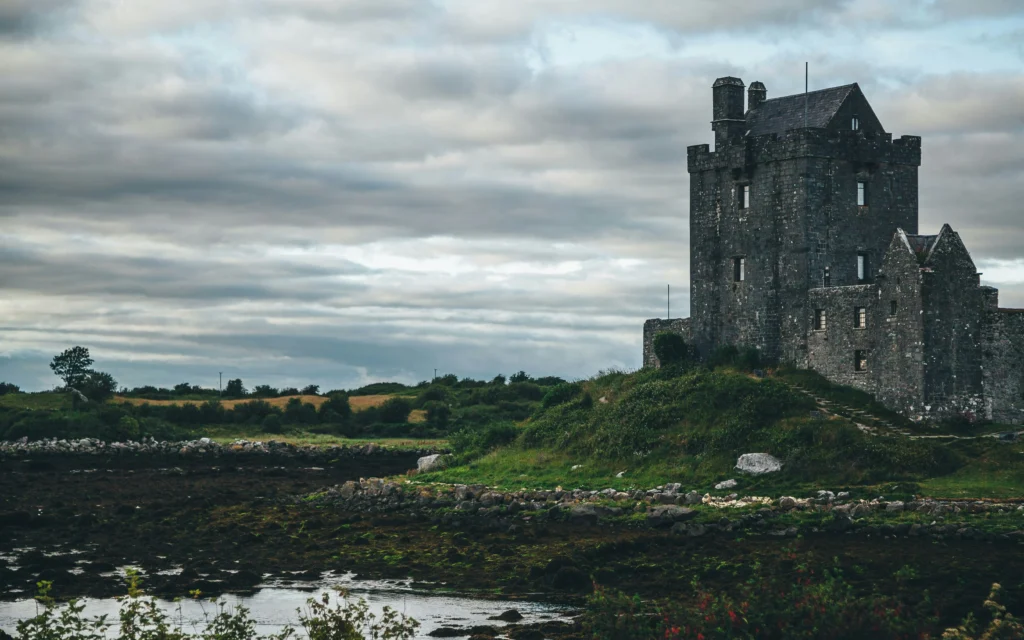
(36, 401)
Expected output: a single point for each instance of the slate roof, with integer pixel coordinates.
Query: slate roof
(782, 114)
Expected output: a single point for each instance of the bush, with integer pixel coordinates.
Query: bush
(670, 348)
(7, 387)
(297, 412)
(475, 442)
(98, 386)
(742, 358)
(395, 410)
(438, 413)
(561, 394)
(234, 389)
(272, 424)
(142, 618)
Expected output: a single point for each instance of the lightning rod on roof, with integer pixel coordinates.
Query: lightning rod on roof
(805, 94)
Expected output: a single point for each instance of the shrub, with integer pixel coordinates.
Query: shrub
(560, 394)
(395, 410)
(520, 376)
(265, 391)
(234, 389)
(336, 409)
(7, 387)
(474, 442)
(273, 424)
(670, 348)
(438, 413)
(311, 390)
(98, 386)
(742, 358)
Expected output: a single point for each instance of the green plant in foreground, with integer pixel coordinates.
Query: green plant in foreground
(141, 619)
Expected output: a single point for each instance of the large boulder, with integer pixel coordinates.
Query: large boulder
(430, 463)
(758, 463)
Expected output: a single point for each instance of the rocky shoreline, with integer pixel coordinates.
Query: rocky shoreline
(199, 447)
(687, 513)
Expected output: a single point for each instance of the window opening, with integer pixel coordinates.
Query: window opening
(862, 267)
(739, 269)
(860, 361)
(860, 317)
(819, 319)
(862, 194)
(854, 123)
(827, 278)
(745, 196)
(892, 307)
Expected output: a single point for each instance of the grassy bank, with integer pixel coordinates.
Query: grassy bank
(689, 425)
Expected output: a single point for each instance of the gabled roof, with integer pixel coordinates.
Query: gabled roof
(782, 114)
(922, 246)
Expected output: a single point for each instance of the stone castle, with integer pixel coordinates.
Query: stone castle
(804, 243)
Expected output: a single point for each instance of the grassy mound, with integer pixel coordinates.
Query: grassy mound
(685, 425)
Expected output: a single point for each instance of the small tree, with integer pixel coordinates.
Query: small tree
(395, 410)
(98, 386)
(499, 380)
(520, 376)
(72, 365)
(234, 389)
(311, 390)
(265, 391)
(670, 348)
(183, 388)
(7, 387)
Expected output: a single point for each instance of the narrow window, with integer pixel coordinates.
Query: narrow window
(855, 123)
(739, 269)
(892, 307)
(860, 317)
(862, 194)
(819, 319)
(862, 268)
(745, 196)
(826, 279)
(860, 361)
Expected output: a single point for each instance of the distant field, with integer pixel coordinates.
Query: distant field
(358, 403)
(36, 401)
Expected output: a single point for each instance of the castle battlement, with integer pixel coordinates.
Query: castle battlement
(804, 244)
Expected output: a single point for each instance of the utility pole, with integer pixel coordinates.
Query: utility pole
(435, 374)
(220, 383)
(668, 302)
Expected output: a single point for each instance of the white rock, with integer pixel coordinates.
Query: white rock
(758, 463)
(728, 484)
(429, 463)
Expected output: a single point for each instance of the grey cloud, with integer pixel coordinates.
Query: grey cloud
(21, 18)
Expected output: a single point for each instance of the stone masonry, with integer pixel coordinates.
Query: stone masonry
(804, 244)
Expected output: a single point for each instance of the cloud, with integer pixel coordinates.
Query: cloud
(319, 191)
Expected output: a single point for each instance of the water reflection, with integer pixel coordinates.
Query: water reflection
(274, 606)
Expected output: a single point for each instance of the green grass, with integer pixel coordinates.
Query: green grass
(44, 401)
(993, 470)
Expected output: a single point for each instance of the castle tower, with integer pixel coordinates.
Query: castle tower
(800, 192)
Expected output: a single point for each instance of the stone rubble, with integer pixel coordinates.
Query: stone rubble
(200, 447)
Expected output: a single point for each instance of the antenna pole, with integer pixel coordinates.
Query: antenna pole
(806, 75)
(220, 382)
(668, 302)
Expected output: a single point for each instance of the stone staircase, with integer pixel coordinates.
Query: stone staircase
(865, 421)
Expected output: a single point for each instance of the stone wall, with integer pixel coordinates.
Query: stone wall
(831, 351)
(655, 326)
(1004, 366)
(898, 357)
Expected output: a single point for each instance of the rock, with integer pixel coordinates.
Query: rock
(429, 463)
(727, 484)
(669, 514)
(825, 497)
(508, 616)
(693, 498)
(787, 502)
(860, 510)
(843, 495)
(758, 463)
(696, 530)
(620, 474)
(895, 505)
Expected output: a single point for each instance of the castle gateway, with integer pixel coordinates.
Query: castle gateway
(804, 243)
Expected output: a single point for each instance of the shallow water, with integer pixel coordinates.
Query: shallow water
(274, 606)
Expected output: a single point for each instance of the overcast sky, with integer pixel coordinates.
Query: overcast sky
(346, 191)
